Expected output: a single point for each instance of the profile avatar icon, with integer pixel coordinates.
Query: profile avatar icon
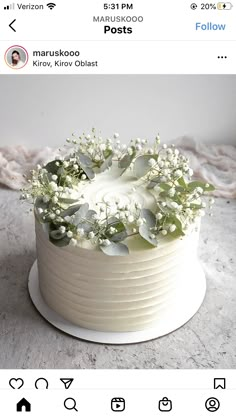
(212, 404)
(16, 57)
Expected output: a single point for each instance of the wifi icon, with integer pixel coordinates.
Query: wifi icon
(51, 5)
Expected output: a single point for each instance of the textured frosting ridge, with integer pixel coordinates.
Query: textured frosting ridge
(118, 294)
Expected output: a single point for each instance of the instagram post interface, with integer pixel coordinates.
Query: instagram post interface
(118, 209)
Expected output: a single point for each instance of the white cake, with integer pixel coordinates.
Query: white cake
(117, 294)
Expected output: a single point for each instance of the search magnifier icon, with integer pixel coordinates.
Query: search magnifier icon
(70, 404)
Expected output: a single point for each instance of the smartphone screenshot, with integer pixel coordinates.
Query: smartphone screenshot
(117, 209)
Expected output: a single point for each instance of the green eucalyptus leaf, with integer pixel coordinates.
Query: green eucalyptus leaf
(195, 184)
(113, 220)
(61, 171)
(182, 182)
(67, 200)
(107, 163)
(51, 167)
(119, 236)
(60, 242)
(121, 233)
(155, 181)
(88, 171)
(174, 220)
(163, 194)
(195, 206)
(84, 160)
(81, 214)
(164, 186)
(39, 204)
(56, 235)
(144, 230)
(141, 165)
(71, 210)
(88, 227)
(115, 249)
(90, 214)
(127, 159)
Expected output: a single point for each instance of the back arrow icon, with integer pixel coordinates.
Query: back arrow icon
(10, 25)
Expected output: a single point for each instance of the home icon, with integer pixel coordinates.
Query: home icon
(23, 405)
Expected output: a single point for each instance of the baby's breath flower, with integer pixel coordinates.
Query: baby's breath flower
(199, 190)
(54, 177)
(174, 205)
(91, 235)
(62, 229)
(116, 135)
(54, 199)
(201, 212)
(171, 192)
(103, 147)
(46, 198)
(112, 230)
(164, 232)
(69, 234)
(152, 162)
(172, 228)
(178, 173)
(53, 185)
(140, 221)
(106, 242)
(83, 177)
(73, 242)
(68, 219)
(80, 232)
(159, 216)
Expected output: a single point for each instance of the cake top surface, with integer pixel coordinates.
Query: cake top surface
(101, 194)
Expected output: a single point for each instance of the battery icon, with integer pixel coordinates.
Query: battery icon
(224, 6)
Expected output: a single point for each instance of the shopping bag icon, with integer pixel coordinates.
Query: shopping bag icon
(165, 404)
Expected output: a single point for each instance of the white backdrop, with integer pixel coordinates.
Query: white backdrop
(44, 110)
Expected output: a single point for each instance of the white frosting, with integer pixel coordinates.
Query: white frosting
(110, 186)
(105, 293)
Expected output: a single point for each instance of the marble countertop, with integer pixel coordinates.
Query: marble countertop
(208, 340)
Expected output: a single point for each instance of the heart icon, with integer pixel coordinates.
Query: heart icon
(16, 383)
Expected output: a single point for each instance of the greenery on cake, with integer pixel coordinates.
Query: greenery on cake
(162, 169)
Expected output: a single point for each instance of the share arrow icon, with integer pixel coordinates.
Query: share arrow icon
(67, 382)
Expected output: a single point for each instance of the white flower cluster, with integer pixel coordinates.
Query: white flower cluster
(169, 165)
(96, 147)
(164, 171)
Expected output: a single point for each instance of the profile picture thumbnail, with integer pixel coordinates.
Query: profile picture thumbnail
(16, 57)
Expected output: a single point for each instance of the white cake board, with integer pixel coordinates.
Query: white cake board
(168, 324)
